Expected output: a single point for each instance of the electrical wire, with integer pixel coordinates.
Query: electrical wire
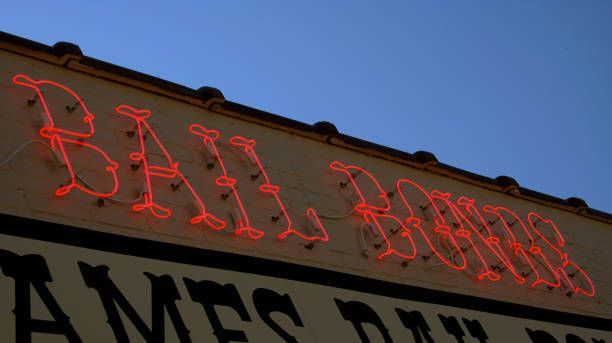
(23, 146)
(342, 216)
(111, 199)
(46, 145)
(367, 228)
(438, 244)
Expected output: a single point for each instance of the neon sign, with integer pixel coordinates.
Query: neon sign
(484, 241)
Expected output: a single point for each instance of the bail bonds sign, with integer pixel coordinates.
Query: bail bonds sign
(68, 284)
(191, 220)
(488, 241)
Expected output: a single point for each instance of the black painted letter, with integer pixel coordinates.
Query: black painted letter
(415, 321)
(451, 325)
(540, 336)
(33, 270)
(164, 294)
(359, 313)
(571, 338)
(267, 301)
(476, 330)
(209, 294)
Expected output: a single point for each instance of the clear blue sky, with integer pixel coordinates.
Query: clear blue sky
(518, 88)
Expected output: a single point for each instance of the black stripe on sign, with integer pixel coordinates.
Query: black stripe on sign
(78, 237)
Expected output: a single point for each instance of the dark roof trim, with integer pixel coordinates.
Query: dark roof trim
(134, 75)
(30, 44)
(267, 116)
(210, 95)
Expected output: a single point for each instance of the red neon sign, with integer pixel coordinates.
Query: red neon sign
(488, 240)
(503, 250)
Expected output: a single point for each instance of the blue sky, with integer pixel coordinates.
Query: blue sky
(518, 88)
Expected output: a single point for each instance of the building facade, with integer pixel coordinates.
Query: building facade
(135, 209)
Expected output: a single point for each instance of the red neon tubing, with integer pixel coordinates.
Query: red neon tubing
(467, 235)
(24, 80)
(248, 147)
(209, 138)
(590, 291)
(58, 143)
(534, 219)
(492, 242)
(140, 116)
(363, 206)
(441, 229)
(372, 219)
(58, 137)
(371, 213)
(533, 250)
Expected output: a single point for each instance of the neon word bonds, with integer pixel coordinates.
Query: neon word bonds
(457, 233)
(483, 240)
